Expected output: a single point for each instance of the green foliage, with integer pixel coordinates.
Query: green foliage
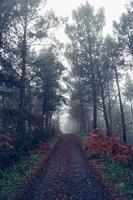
(118, 175)
(81, 136)
(21, 26)
(85, 35)
(124, 29)
(14, 177)
(49, 70)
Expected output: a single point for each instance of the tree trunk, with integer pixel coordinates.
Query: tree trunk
(50, 120)
(45, 110)
(21, 124)
(121, 106)
(0, 38)
(110, 112)
(82, 113)
(82, 116)
(47, 123)
(30, 110)
(24, 55)
(94, 91)
(44, 103)
(131, 107)
(105, 114)
(103, 103)
(94, 101)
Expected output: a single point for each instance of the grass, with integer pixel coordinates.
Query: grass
(118, 175)
(13, 177)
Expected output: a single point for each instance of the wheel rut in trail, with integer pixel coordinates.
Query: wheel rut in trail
(67, 176)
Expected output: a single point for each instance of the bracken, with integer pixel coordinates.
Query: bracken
(99, 144)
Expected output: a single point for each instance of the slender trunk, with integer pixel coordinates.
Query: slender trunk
(131, 107)
(50, 120)
(47, 123)
(82, 113)
(82, 116)
(105, 114)
(94, 101)
(30, 110)
(0, 38)
(110, 112)
(94, 92)
(93, 82)
(45, 111)
(24, 54)
(103, 103)
(21, 123)
(44, 103)
(121, 106)
(3, 114)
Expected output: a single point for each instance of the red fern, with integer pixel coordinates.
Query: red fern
(99, 144)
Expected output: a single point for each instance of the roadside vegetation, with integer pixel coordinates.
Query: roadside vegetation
(118, 175)
(113, 159)
(18, 174)
(14, 176)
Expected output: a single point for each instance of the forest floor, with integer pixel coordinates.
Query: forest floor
(67, 175)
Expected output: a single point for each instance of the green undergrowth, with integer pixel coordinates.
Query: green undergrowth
(14, 177)
(81, 136)
(118, 175)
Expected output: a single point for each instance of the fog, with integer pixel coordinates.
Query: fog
(68, 124)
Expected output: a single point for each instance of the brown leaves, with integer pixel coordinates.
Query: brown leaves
(99, 144)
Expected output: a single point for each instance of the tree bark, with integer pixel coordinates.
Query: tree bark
(21, 123)
(121, 106)
(109, 106)
(131, 107)
(82, 113)
(83, 125)
(50, 120)
(30, 110)
(103, 103)
(94, 92)
(83, 118)
(94, 103)
(45, 110)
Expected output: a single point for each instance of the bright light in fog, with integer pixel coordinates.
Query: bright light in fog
(68, 125)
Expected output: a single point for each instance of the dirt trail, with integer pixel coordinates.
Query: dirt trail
(67, 176)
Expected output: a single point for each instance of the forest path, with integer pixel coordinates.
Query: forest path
(67, 176)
